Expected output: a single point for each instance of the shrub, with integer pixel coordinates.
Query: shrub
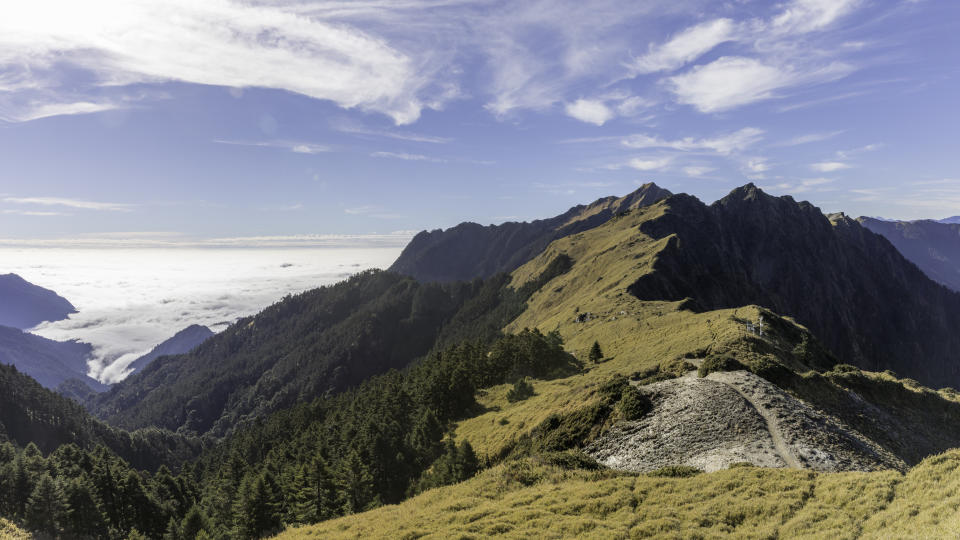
(676, 471)
(521, 390)
(634, 404)
(569, 430)
(845, 368)
(570, 460)
(719, 363)
(771, 370)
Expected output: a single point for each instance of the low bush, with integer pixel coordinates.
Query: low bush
(719, 363)
(676, 471)
(634, 405)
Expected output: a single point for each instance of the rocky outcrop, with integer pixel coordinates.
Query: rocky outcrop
(735, 417)
(470, 250)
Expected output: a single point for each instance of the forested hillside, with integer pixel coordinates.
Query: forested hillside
(306, 346)
(32, 414)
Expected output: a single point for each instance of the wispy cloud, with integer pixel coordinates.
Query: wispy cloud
(649, 164)
(830, 166)
(768, 63)
(354, 128)
(407, 157)
(723, 144)
(216, 42)
(71, 203)
(696, 170)
(284, 208)
(684, 47)
(32, 213)
(35, 110)
(808, 138)
(293, 146)
(811, 15)
(373, 211)
(730, 82)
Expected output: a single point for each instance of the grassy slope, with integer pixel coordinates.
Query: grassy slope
(648, 334)
(523, 499)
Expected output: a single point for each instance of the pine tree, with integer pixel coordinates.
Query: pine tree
(315, 492)
(86, 519)
(47, 507)
(173, 530)
(258, 508)
(354, 483)
(468, 464)
(194, 523)
(596, 354)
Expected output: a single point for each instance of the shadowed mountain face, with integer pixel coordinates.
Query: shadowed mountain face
(182, 342)
(49, 362)
(851, 287)
(470, 250)
(934, 246)
(24, 305)
(309, 345)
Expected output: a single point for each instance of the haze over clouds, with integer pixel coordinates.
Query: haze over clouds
(130, 300)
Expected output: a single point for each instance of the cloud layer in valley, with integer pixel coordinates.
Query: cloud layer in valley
(129, 300)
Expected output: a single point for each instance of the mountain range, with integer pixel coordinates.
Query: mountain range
(643, 365)
(934, 246)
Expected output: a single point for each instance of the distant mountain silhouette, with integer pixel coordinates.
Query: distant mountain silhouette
(24, 305)
(49, 362)
(934, 246)
(182, 342)
(950, 220)
(470, 250)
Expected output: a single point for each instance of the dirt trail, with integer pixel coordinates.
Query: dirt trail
(730, 417)
(773, 426)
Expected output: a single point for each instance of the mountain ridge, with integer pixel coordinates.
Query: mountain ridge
(470, 250)
(182, 342)
(934, 246)
(25, 305)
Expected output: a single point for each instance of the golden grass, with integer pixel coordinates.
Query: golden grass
(522, 499)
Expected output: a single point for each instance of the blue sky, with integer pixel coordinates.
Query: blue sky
(181, 121)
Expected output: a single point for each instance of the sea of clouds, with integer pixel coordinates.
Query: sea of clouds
(131, 299)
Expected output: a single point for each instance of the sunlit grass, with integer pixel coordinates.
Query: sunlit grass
(521, 499)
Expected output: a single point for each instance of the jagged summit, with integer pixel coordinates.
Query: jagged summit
(851, 287)
(470, 250)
